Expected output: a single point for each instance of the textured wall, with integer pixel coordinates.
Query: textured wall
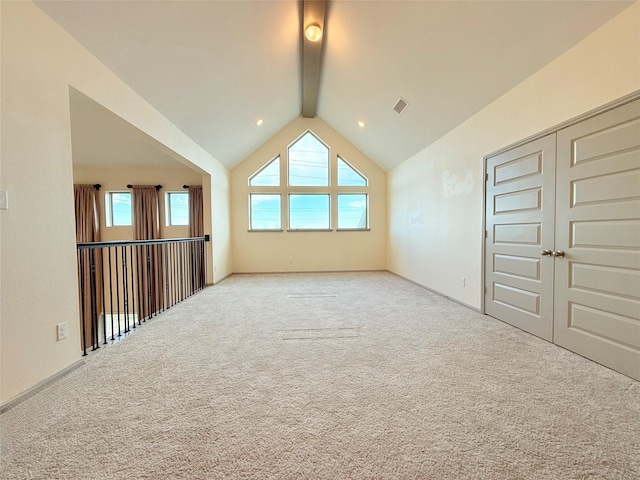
(436, 197)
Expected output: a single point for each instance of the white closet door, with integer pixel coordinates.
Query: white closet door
(597, 281)
(520, 224)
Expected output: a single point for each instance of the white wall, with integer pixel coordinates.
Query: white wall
(308, 251)
(436, 197)
(38, 266)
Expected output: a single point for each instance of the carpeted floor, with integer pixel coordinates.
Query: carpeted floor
(327, 376)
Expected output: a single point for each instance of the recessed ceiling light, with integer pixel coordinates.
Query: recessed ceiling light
(313, 32)
(361, 124)
(259, 122)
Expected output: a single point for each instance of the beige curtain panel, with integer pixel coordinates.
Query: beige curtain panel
(146, 226)
(88, 230)
(196, 229)
(196, 215)
(146, 212)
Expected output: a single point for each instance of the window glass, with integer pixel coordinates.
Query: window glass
(265, 211)
(177, 208)
(352, 211)
(309, 212)
(268, 176)
(348, 176)
(118, 209)
(308, 162)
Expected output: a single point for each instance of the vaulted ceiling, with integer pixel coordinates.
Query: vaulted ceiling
(214, 67)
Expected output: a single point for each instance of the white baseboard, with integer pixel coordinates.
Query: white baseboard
(9, 404)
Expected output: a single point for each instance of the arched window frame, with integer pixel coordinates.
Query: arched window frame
(291, 195)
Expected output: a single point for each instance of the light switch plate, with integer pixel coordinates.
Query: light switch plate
(4, 200)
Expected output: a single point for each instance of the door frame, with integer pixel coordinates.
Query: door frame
(591, 113)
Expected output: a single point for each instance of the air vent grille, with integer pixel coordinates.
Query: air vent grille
(400, 106)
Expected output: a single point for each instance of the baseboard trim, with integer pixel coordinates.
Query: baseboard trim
(286, 272)
(455, 300)
(18, 399)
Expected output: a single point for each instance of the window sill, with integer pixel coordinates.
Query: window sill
(268, 230)
(353, 230)
(310, 230)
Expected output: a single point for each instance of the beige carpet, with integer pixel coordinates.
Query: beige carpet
(327, 376)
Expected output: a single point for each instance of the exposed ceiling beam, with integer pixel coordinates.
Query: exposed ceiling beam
(313, 13)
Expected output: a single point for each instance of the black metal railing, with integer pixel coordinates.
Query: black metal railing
(122, 283)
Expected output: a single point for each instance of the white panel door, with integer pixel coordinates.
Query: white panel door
(597, 281)
(520, 233)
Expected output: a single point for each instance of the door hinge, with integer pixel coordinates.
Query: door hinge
(486, 234)
(486, 177)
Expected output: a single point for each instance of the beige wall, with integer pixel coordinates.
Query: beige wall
(436, 197)
(171, 179)
(307, 251)
(37, 234)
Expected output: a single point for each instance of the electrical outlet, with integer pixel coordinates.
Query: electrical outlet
(463, 281)
(61, 330)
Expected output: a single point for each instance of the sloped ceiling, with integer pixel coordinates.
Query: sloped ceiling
(102, 139)
(214, 67)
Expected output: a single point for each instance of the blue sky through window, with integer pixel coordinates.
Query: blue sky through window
(119, 205)
(352, 210)
(347, 175)
(269, 176)
(178, 208)
(308, 162)
(265, 212)
(309, 212)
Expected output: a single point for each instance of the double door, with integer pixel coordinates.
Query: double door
(562, 254)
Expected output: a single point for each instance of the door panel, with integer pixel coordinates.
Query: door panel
(597, 282)
(520, 223)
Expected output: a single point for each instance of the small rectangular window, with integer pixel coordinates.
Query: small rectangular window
(118, 209)
(309, 212)
(176, 209)
(265, 211)
(352, 211)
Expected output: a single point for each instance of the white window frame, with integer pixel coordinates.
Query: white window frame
(311, 194)
(285, 190)
(271, 194)
(167, 208)
(289, 162)
(366, 212)
(108, 206)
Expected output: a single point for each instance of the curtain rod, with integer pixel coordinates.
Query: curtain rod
(185, 186)
(97, 186)
(158, 187)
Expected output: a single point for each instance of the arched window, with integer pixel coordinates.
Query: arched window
(308, 201)
(308, 162)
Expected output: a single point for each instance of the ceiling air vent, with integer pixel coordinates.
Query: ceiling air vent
(401, 106)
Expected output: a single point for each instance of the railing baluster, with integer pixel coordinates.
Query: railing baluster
(139, 282)
(103, 304)
(132, 285)
(82, 303)
(111, 294)
(148, 283)
(118, 294)
(125, 287)
(167, 300)
(93, 301)
(156, 275)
